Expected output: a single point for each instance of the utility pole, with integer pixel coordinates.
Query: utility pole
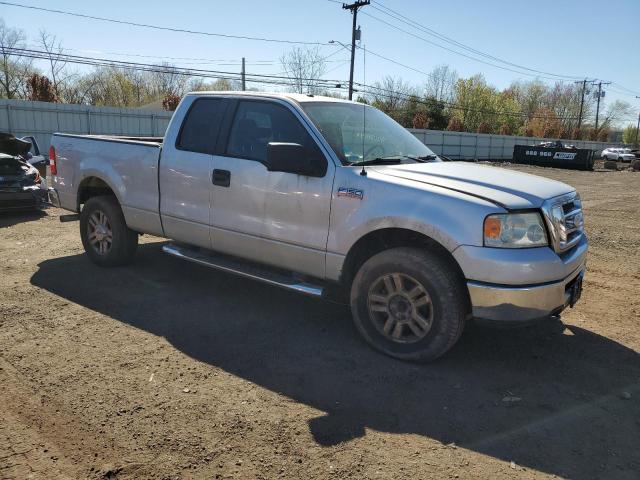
(354, 11)
(600, 83)
(584, 87)
(637, 128)
(244, 81)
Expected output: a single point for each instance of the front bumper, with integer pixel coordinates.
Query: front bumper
(522, 303)
(518, 286)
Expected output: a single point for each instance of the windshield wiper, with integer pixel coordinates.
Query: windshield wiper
(426, 158)
(391, 159)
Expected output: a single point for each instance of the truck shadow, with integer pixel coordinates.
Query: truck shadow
(571, 419)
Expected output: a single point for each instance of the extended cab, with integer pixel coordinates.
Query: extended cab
(321, 195)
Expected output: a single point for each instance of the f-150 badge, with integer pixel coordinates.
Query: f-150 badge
(350, 193)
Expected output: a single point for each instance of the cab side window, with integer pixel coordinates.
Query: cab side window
(201, 126)
(258, 123)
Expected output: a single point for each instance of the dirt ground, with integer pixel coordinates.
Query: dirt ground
(166, 369)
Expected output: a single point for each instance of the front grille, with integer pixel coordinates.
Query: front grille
(565, 221)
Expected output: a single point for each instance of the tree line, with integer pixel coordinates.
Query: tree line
(445, 101)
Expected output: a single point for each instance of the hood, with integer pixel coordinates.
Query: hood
(506, 188)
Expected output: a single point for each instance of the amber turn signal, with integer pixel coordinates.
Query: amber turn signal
(492, 227)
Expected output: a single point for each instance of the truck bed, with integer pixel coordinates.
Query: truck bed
(128, 166)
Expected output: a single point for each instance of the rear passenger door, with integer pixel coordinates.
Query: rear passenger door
(185, 173)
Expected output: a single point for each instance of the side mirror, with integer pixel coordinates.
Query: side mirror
(293, 158)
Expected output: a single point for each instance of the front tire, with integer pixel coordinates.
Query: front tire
(104, 233)
(409, 304)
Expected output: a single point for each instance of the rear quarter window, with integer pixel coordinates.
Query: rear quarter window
(201, 126)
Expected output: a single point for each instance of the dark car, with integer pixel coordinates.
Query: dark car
(35, 157)
(20, 182)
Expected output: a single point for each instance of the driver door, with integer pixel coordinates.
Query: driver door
(271, 217)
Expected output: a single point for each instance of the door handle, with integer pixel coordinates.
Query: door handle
(221, 178)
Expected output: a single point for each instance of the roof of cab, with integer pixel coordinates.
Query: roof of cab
(296, 97)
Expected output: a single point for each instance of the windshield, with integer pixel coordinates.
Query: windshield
(360, 133)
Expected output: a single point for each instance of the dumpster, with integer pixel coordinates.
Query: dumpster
(570, 158)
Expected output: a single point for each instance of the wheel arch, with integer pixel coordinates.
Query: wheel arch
(382, 239)
(93, 186)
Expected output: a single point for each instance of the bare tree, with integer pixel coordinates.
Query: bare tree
(615, 112)
(221, 84)
(304, 67)
(15, 68)
(167, 81)
(440, 83)
(391, 94)
(54, 51)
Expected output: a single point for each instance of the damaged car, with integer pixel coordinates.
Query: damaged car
(21, 186)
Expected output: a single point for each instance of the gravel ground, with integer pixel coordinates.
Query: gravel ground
(166, 369)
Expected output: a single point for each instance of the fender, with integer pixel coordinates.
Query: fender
(450, 218)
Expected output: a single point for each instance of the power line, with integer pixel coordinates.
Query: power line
(396, 62)
(158, 27)
(456, 52)
(218, 74)
(192, 60)
(408, 21)
(41, 54)
(631, 92)
(196, 60)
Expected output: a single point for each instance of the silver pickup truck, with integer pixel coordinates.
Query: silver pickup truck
(322, 195)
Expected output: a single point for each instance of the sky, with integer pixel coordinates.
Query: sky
(574, 38)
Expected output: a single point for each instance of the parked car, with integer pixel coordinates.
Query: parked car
(618, 154)
(35, 157)
(317, 195)
(20, 182)
(551, 144)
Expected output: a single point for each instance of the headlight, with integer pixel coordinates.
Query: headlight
(514, 230)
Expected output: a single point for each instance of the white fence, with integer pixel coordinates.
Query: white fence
(41, 119)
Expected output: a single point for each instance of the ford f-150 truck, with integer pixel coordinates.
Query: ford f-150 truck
(312, 193)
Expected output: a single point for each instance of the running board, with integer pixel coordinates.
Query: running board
(237, 267)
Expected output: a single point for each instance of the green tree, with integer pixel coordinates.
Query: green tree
(476, 101)
(436, 113)
(630, 134)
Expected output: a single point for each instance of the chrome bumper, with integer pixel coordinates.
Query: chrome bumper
(521, 304)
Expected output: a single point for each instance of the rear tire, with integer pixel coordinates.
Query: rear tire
(104, 233)
(409, 304)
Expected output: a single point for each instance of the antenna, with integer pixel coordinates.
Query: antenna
(363, 172)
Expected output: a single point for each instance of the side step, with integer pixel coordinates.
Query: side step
(247, 270)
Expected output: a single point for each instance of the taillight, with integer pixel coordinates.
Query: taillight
(52, 160)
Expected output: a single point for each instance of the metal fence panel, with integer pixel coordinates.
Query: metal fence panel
(481, 146)
(42, 119)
